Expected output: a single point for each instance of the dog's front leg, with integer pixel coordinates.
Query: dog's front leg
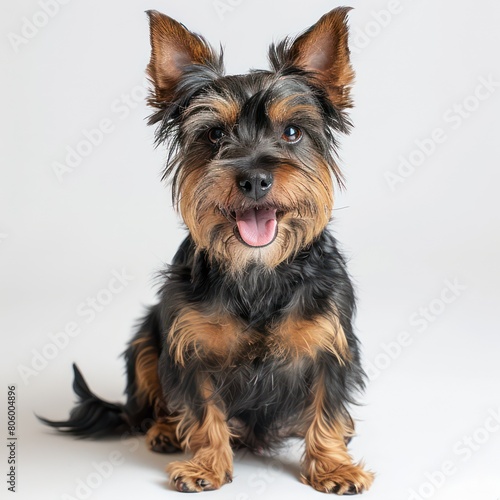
(209, 438)
(327, 465)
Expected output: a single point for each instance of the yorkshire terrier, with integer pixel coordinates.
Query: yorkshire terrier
(251, 341)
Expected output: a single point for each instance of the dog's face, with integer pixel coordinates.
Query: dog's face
(252, 155)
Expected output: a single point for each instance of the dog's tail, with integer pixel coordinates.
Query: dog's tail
(94, 417)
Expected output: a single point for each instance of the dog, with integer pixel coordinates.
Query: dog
(251, 341)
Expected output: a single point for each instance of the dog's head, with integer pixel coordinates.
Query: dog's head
(252, 156)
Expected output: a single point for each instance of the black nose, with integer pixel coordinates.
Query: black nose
(255, 184)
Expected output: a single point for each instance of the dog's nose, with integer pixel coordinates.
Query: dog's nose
(256, 184)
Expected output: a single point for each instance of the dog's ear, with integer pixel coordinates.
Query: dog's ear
(174, 49)
(323, 51)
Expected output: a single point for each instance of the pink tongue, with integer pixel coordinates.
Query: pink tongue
(257, 227)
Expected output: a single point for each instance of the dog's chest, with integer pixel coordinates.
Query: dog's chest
(264, 392)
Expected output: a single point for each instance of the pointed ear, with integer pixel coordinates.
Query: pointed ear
(322, 50)
(173, 49)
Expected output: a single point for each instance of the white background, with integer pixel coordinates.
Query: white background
(61, 241)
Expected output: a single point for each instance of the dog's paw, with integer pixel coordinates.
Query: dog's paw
(345, 479)
(191, 476)
(161, 438)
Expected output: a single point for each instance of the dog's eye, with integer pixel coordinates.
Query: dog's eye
(292, 134)
(215, 135)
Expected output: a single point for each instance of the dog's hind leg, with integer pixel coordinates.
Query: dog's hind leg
(162, 437)
(144, 389)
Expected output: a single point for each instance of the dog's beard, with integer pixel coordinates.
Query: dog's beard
(219, 235)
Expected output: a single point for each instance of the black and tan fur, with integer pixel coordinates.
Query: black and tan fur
(247, 345)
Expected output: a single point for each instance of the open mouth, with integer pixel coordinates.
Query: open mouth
(256, 227)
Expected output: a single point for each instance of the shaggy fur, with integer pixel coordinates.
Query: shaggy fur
(248, 344)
